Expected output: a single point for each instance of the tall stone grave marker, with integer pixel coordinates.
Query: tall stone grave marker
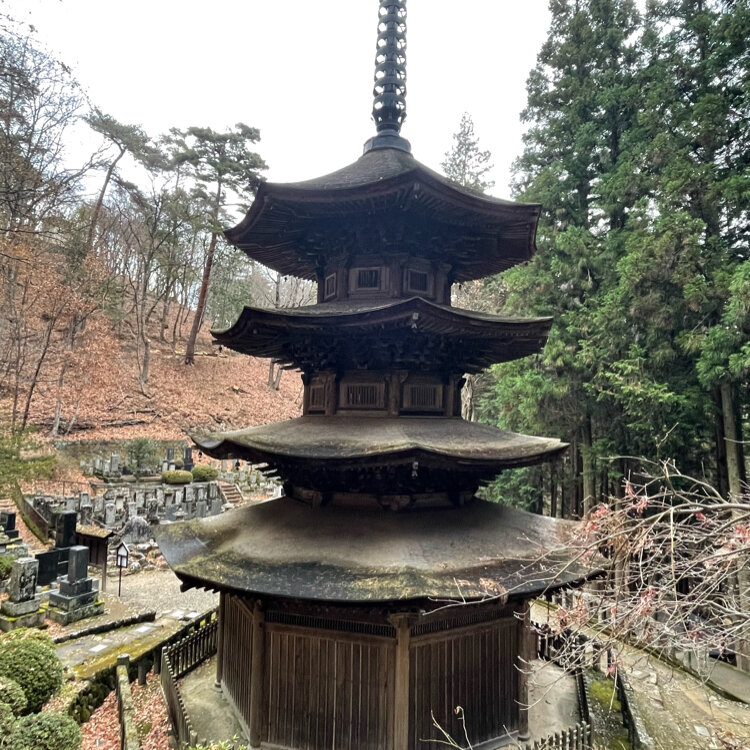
(78, 596)
(22, 608)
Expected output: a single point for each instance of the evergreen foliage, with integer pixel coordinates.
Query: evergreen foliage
(177, 476)
(466, 164)
(637, 149)
(142, 455)
(13, 695)
(34, 666)
(204, 473)
(45, 731)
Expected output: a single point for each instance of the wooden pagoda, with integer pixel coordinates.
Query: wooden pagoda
(334, 629)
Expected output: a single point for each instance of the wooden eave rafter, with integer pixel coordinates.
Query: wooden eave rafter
(393, 334)
(292, 227)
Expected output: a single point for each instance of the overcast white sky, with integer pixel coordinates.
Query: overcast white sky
(300, 70)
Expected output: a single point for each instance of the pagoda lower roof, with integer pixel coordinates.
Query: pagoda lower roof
(385, 200)
(344, 441)
(283, 548)
(382, 334)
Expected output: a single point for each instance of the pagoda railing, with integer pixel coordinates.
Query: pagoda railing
(575, 738)
(587, 652)
(176, 661)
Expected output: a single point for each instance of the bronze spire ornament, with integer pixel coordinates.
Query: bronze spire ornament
(389, 107)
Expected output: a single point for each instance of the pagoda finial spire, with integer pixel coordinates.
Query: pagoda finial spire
(389, 107)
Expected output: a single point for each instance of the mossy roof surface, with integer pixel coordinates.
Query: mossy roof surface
(333, 554)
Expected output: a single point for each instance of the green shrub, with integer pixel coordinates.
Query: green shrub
(178, 463)
(142, 453)
(34, 666)
(177, 476)
(204, 473)
(45, 731)
(6, 720)
(28, 634)
(6, 563)
(12, 695)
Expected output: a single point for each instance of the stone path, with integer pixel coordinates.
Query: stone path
(160, 590)
(157, 590)
(678, 710)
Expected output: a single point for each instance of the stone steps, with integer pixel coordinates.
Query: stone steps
(232, 493)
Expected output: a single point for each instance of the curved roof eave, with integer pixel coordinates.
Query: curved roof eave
(355, 182)
(286, 549)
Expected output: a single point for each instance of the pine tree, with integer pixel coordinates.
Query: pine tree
(466, 164)
(219, 162)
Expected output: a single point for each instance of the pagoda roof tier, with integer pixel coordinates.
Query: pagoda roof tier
(340, 443)
(286, 549)
(402, 333)
(386, 201)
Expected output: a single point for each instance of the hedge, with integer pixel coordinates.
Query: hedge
(12, 694)
(34, 666)
(204, 473)
(177, 476)
(6, 720)
(47, 731)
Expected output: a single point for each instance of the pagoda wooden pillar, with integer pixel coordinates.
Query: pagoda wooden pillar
(402, 623)
(256, 675)
(220, 639)
(525, 657)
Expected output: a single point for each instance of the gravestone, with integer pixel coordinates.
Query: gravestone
(170, 512)
(187, 460)
(201, 509)
(110, 515)
(164, 466)
(132, 509)
(170, 455)
(51, 566)
(8, 524)
(65, 528)
(78, 596)
(114, 462)
(215, 506)
(21, 608)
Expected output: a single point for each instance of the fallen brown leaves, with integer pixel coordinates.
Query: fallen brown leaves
(151, 714)
(102, 730)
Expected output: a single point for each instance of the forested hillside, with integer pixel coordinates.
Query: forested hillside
(110, 284)
(638, 149)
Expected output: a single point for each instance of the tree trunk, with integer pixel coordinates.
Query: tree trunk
(722, 478)
(198, 319)
(589, 468)
(100, 201)
(734, 474)
(37, 371)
